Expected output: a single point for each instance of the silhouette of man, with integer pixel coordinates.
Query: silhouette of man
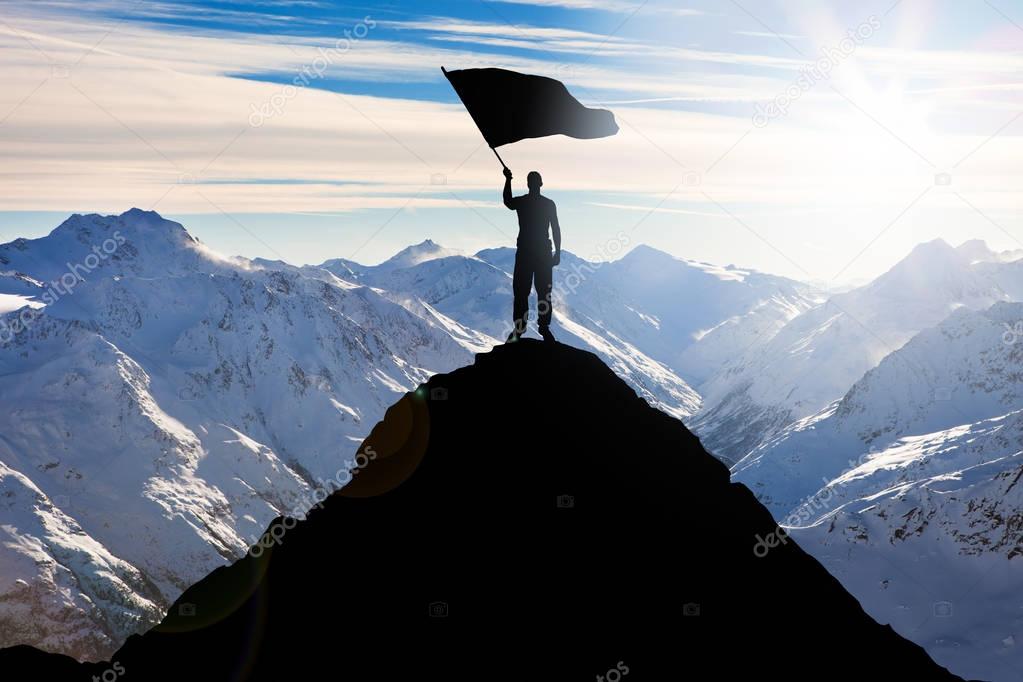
(533, 260)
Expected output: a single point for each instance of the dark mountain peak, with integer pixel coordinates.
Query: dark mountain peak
(528, 511)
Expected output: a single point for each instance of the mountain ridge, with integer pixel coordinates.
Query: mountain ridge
(819, 354)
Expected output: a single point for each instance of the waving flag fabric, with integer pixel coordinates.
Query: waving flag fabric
(508, 106)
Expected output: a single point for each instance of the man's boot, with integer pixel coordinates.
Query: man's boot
(517, 330)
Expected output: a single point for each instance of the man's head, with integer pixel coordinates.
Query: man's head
(534, 182)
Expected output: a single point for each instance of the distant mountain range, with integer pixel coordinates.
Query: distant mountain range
(166, 402)
(908, 489)
(817, 356)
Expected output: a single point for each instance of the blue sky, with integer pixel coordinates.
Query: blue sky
(736, 145)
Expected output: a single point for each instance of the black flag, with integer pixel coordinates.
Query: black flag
(508, 106)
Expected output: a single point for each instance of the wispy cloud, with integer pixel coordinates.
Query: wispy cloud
(661, 209)
(618, 6)
(772, 36)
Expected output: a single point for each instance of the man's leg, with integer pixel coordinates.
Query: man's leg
(522, 282)
(544, 275)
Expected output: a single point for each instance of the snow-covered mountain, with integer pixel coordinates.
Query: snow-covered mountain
(817, 356)
(691, 315)
(928, 536)
(164, 406)
(962, 371)
(977, 251)
(908, 490)
(163, 402)
(629, 311)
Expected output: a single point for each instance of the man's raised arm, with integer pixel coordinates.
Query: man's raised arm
(507, 188)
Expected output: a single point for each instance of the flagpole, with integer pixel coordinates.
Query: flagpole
(499, 157)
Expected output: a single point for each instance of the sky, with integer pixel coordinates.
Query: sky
(817, 140)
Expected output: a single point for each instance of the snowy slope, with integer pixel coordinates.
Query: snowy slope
(907, 490)
(693, 315)
(61, 589)
(928, 536)
(960, 372)
(815, 358)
